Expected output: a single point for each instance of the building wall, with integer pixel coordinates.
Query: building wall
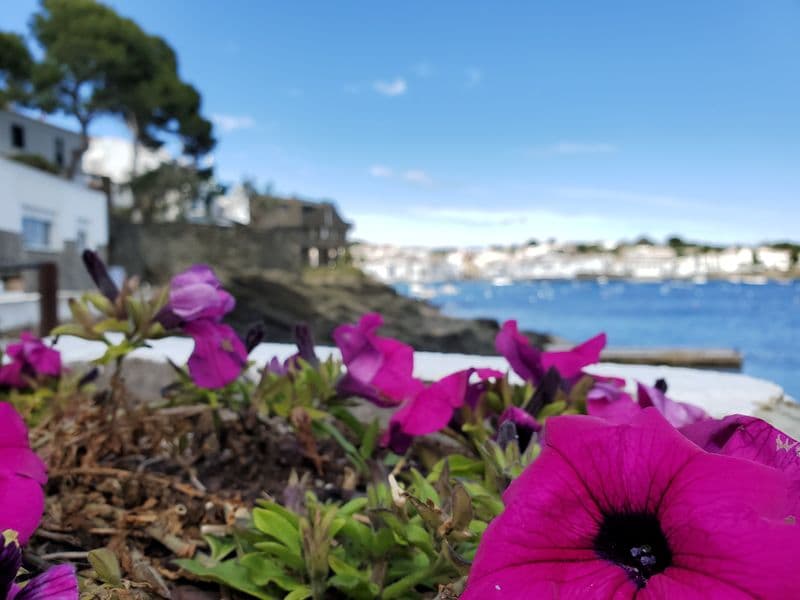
(159, 250)
(40, 138)
(76, 215)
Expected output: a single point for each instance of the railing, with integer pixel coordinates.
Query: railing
(48, 291)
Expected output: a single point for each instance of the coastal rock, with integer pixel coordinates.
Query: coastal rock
(327, 298)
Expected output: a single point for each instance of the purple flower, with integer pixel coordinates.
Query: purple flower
(197, 294)
(677, 413)
(99, 274)
(379, 369)
(531, 363)
(611, 402)
(57, 583)
(22, 475)
(525, 424)
(638, 511)
(431, 407)
(219, 355)
(751, 438)
(304, 340)
(30, 358)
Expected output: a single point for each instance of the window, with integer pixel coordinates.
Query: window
(59, 160)
(18, 136)
(36, 233)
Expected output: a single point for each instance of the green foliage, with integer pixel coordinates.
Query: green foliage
(16, 65)
(97, 62)
(37, 161)
(390, 544)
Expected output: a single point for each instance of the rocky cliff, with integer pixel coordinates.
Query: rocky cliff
(326, 298)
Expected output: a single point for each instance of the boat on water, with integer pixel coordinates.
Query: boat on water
(502, 281)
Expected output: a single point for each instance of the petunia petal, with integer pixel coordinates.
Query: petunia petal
(57, 583)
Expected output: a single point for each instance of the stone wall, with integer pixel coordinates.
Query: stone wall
(159, 250)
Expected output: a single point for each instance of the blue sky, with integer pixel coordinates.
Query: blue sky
(473, 123)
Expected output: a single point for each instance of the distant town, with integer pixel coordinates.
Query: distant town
(643, 259)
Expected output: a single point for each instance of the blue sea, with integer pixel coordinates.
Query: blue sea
(761, 321)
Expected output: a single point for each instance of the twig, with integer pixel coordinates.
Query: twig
(65, 556)
(122, 473)
(58, 537)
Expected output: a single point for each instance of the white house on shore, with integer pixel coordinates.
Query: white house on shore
(45, 216)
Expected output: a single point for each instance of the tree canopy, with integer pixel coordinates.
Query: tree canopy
(97, 62)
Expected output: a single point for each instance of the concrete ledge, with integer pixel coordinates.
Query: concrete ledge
(718, 393)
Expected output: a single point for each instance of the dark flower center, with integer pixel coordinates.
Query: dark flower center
(635, 542)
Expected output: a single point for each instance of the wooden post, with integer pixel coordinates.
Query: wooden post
(48, 297)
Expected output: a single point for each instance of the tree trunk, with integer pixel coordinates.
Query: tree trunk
(78, 153)
(133, 125)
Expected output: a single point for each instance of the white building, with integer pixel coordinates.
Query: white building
(20, 134)
(45, 217)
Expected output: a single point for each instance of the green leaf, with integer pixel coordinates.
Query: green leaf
(263, 570)
(220, 547)
(229, 573)
(76, 330)
(100, 302)
(107, 325)
(283, 554)
(423, 489)
(369, 439)
(277, 526)
(299, 593)
(354, 506)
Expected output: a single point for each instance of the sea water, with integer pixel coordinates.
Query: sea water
(760, 320)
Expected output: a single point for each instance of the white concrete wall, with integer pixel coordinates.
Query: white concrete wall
(40, 137)
(69, 206)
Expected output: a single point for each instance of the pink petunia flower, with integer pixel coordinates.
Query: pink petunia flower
(751, 438)
(30, 358)
(609, 401)
(196, 293)
(431, 408)
(22, 475)
(531, 363)
(638, 511)
(218, 356)
(379, 369)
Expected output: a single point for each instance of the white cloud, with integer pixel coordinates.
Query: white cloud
(113, 157)
(474, 77)
(395, 87)
(229, 123)
(380, 171)
(418, 177)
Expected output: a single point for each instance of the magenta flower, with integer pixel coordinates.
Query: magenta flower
(304, 340)
(57, 583)
(525, 424)
(379, 369)
(677, 413)
(751, 438)
(638, 511)
(22, 475)
(196, 293)
(219, 355)
(30, 358)
(611, 402)
(431, 408)
(531, 363)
